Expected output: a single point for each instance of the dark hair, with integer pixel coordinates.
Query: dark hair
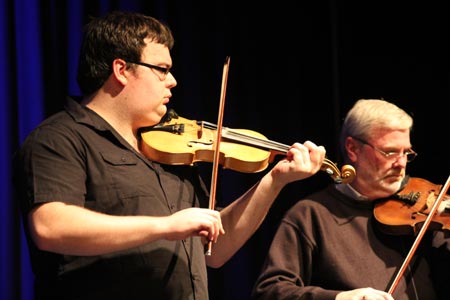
(116, 35)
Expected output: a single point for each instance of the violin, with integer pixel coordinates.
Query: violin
(406, 211)
(180, 141)
(419, 204)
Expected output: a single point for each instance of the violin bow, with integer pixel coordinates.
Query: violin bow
(215, 166)
(420, 235)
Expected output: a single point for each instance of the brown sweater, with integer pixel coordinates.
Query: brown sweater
(329, 243)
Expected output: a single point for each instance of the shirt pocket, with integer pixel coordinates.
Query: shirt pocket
(123, 174)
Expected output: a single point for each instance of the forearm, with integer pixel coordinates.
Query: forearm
(72, 230)
(242, 217)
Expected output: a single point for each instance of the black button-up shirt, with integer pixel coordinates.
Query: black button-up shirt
(77, 158)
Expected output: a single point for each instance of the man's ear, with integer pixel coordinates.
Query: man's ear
(351, 148)
(120, 70)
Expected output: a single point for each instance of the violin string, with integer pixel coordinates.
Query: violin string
(252, 140)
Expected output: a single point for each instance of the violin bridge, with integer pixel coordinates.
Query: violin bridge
(200, 130)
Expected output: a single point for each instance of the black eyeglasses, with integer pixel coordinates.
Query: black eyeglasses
(162, 70)
(391, 155)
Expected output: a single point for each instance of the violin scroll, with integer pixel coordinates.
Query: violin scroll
(345, 176)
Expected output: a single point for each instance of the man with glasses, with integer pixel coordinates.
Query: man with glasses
(329, 246)
(391, 155)
(103, 221)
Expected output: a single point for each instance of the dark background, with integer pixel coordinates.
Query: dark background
(296, 68)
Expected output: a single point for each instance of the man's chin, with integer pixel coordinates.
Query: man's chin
(163, 111)
(393, 183)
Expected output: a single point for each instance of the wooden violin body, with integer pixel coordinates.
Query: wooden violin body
(178, 140)
(405, 212)
(182, 142)
(420, 206)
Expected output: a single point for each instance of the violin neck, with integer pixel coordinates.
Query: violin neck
(247, 139)
(250, 140)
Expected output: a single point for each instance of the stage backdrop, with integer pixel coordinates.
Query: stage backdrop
(296, 68)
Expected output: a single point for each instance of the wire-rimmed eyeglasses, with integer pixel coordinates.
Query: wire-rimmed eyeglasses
(163, 71)
(391, 155)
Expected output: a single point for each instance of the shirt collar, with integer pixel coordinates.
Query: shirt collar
(348, 190)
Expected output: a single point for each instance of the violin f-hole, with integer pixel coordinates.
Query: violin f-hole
(206, 143)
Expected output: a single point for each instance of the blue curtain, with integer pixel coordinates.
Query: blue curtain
(291, 85)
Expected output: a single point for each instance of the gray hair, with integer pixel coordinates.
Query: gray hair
(367, 115)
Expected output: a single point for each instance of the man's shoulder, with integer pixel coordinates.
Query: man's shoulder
(323, 200)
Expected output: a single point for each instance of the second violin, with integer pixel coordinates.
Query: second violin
(406, 211)
(177, 140)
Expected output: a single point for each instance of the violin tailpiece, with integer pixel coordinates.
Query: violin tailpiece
(175, 128)
(410, 198)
